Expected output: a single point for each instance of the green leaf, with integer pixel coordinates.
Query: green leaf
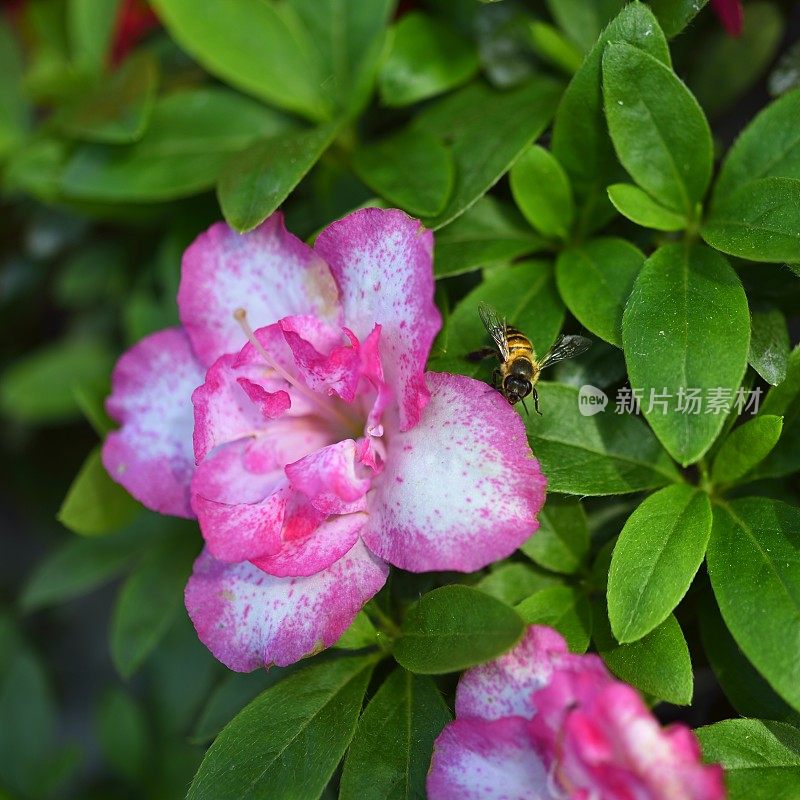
(746, 690)
(116, 110)
(745, 447)
(95, 504)
(659, 131)
(487, 132)
(38, 387)
(657, 664)
(513, 581)
(582, 21)
(149, 600)
(542, 192)
(580, 137)
(564, 608)
(595, 280)
(258, 179)
(90, 27)
(761, 758)
(411, 169)
(13, 108)
(686, 326)
(784, 399)
(769, 345)
(655, 559)
(453, 628)
(635, 204)
(755, 573)
(426, 58)
(489, 233)
(553, 47)
(525, 294)
(769, 147)
(259, 47)
(562, 542)
(360, 633)
(675, 15)
(731, 65)
(603, 454)
(759, 221)
(314, 711)
(230, 696)
(122, 733)
(190, 137)
(391, 751)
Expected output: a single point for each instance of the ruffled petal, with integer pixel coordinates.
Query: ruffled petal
(478, 760)
(151, 454)
(503, 687)
(461, 489)
(249, 619)
(383, 264)
(268, 272)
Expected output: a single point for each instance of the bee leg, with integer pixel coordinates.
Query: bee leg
(536, 401)
(479, 355)
(528, 413)
(496, 379)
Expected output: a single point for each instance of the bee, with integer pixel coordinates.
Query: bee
(516, 375)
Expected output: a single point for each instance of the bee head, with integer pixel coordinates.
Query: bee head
(516, 388)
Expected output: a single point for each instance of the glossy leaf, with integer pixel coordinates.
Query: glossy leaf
(595, 280)
(391, 750)
(489, 233)
(755, 573)
(635, 204)
(769, 345)
(657, 664)
(581, 21)
(314, 711)
(562, 542)
(360, 633)
(565, 608)
(257, 180)
(191, 136)
(655, 559)
(487, 132)
(542, 192)
(686, 327)
(603, 454)
(553, 47)
(659, 131)
(513, 581)
(675, 15)
(453, 628)
(90, 28)
(761, 758)
(759, 221)
(745, 447)
(426, 58)
(410, 169)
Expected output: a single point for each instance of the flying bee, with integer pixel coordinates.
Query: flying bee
(516, 375)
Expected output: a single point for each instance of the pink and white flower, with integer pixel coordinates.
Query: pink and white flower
(313, 447)
(540, 723)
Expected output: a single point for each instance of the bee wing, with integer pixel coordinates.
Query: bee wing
(495, 328)
(565, 347)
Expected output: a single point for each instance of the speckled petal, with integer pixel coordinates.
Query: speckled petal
(503, 687)
(478, 760)
(268, 272)
(249, 619)
(461, 489)
(383, 264)
(151, 454)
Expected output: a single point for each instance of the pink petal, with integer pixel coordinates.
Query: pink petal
(307, 555)
(328, 478)
(249, 619)
(461, 489)
(268, 272)
(382, 262)
(478, 760)
(503, 687)
(151, 454)
(731, 15)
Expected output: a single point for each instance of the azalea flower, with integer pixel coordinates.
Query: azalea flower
(731, 15)
(540, 723)
(292, 415)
